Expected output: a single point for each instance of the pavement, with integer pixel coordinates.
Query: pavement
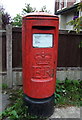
(68, 112)
(5, 101)
(62, 112)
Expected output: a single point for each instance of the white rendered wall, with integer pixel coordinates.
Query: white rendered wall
(64, 19)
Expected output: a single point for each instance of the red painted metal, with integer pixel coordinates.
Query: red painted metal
(39, 64)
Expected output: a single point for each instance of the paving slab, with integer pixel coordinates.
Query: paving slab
(5, 101)
(68, 112)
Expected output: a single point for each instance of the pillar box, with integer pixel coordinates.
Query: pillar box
(39, 53)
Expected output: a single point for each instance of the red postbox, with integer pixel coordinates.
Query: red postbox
(39, 51)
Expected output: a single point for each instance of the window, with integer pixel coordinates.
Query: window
(64, 3)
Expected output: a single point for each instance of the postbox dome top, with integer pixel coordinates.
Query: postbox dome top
(41, 14)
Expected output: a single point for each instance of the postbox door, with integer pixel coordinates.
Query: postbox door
(42, 55)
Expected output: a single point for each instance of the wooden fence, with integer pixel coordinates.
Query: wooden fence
(68, 50)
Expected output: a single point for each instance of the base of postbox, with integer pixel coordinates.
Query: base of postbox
(40, 107)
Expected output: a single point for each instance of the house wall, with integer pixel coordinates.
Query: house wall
(64, 18)
(69, 17)
(62, 21)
